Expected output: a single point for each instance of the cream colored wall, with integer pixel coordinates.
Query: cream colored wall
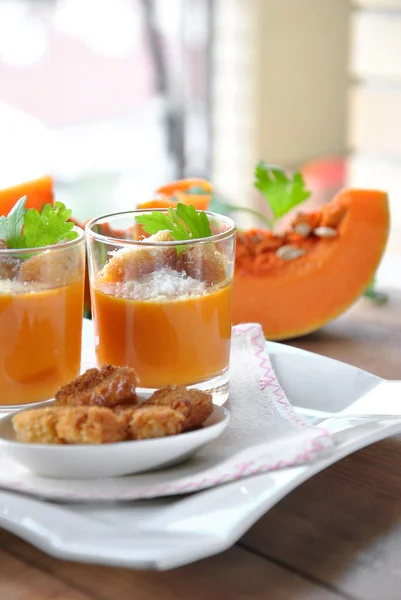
(305, 50)
(237, 88)
(280, 82)
(374, 131)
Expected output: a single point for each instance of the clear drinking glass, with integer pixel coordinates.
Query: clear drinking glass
(162, 307)
(41, 310)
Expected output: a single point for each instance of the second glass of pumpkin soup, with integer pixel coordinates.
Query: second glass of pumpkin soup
(41, 307)
(161, 287)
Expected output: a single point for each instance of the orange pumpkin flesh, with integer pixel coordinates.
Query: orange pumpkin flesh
(176, 191)
(200, 201)
(183, 185)
(38, 192)
(162, 202)
(295, 297)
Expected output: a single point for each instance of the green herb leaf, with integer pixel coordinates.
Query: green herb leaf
(178, 230)
(48, 227)
(24, 228)
(11, 226)
(374, 294)
(155, 221)
(183, 222)
(197, 223)
(281, 192)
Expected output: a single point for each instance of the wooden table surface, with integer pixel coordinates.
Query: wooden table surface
(338, 536)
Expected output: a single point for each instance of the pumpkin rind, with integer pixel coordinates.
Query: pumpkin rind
(300, 296)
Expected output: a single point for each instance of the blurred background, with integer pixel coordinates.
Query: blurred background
(115, 97)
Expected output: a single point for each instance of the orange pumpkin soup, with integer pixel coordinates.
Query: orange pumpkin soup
(40, 333)
(181, 340)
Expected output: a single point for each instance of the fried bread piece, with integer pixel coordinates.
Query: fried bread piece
(9, 265)
(195, 406)
(95, 424)
(148, 422)
(53, 268)
(37, 426)
(125, 411)
(128, 265)
(69, 425)
(89, 425)
(204, 263)
(133, 264)
(108, 387)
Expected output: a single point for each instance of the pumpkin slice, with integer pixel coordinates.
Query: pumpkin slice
(183, 185)
(294, 283)
(201, 202)
(38, 192)
(182, 190)
(161, 202)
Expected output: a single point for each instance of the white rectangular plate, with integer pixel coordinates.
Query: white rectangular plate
(170, 532)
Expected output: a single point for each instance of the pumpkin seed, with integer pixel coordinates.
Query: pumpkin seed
(288, 252)
(325, 232)
(303, 229)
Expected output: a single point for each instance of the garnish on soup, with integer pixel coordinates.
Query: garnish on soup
(183, 222)
(201, 264)
(29, 228)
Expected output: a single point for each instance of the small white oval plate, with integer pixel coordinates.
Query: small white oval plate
(92, 461)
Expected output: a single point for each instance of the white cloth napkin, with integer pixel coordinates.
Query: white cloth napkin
(264, 434)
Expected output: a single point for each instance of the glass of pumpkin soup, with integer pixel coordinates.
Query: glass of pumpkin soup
(41, 308)
(162, 304)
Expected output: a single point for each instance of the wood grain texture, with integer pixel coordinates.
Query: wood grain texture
(21, 581)
(233, 575)
(343, 526)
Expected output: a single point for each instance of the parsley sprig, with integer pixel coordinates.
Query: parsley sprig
(29, 228)
(183, 222)
(283, 193)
